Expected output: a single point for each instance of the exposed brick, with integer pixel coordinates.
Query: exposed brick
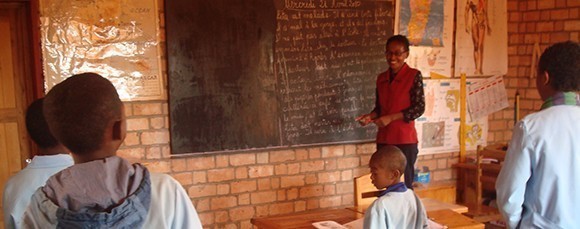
(333, 201)
(311, 179)
(281, 195)
(264, 184)
(157, 122)
(217, 175)
(199, 177)
(147, 109)
(128, 107)
(345, 187)
(442, 175)
(572, 25)
(311, 166)
(202, 190)
(154, 137)
(312, 204)
(346, 175)
(242, 213)
(348, 200)
(153, 152)
(221, 216)
(327, 177)
(281, 169)
(545, 26)
(134, 124)
(292, 193)
(241, 173)
(314, 153)
(290, 181)
(221, 161)
(300, 206)
(206, 218)
(244, 186)
(262, 211)
(330, 164)
(260, 171)
(178, 165)
(242, 159)
(301, 154)
(223, 189)
(263, 197)
(349, 150)
(332, 151)
(201, 163)
(222, 202)
(244, 199)
(132, 154)
(202, 204)
(311, 191)
(329, 189)
(132, 139)
(347, 163)
(282, 156)
(442, 163)
(185, 178)
(559, 14)
(263, 158)
(293, 168)
(546, 4)
(281, 208)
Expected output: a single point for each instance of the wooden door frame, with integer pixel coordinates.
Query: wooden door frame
(31, 59)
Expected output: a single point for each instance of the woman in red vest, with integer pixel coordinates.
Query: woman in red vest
(400, 100)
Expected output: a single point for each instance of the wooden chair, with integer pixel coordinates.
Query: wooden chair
(488, 165)
(364, 190)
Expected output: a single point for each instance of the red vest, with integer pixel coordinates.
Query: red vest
(393, 98)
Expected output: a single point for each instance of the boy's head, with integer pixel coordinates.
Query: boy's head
(85, 114)
(387, 165)
(37, 127)
(559, 69)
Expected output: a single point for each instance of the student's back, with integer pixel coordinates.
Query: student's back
(52, 157)
(102, 190)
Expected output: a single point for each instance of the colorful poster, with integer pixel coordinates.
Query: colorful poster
(486, 97)
(481, 38)
(438, 128)
(429, 26)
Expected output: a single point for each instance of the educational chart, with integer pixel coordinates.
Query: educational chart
(486, 97)
(481, 37)
(429, 26)
(117, 39)
(438, 128)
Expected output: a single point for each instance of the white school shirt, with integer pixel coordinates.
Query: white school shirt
(538, 186)
(396, 210)
(23, 184)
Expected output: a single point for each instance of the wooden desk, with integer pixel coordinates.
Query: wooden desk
(430, 205)
(453, 219)
(305, 219)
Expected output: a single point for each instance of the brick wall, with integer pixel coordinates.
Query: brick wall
(229, 189)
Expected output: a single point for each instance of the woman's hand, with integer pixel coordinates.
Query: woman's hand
(365, 119)
(383, 121)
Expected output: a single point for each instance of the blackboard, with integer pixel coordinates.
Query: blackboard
(255, 74)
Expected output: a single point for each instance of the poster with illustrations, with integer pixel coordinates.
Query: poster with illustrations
(481, 38)
(429, 26)
(438, 128)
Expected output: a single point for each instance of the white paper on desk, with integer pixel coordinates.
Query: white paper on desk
(355, 224)
(434, 225)
(328, 225)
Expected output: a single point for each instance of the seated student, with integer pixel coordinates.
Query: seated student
(397, 206)
(101, 190)
(51, 158)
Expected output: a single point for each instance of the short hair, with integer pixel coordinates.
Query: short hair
(79, 109)
(562, 62)
(399, 38)
(37, 127)
(390, 157)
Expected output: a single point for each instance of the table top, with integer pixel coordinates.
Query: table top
(305, 219)
(430, 205)
(453, 219)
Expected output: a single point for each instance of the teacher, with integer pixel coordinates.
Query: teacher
(399, 101)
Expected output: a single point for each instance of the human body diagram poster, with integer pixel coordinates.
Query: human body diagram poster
(438, 128)
(481, 38)
(429, 26)
(117, 39)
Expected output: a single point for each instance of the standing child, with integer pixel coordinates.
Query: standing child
(397, 206)
(101, 190)
(52, 157)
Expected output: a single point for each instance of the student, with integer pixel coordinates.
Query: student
(397, 206)
(101, 190)
(540, 178)
(400, 100)
(51, 158)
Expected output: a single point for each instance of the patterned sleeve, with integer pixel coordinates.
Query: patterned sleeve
(417, 100)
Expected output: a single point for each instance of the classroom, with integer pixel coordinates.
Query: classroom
(252, 111)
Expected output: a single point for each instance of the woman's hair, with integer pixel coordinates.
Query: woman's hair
(399, 38)
(562, 62)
